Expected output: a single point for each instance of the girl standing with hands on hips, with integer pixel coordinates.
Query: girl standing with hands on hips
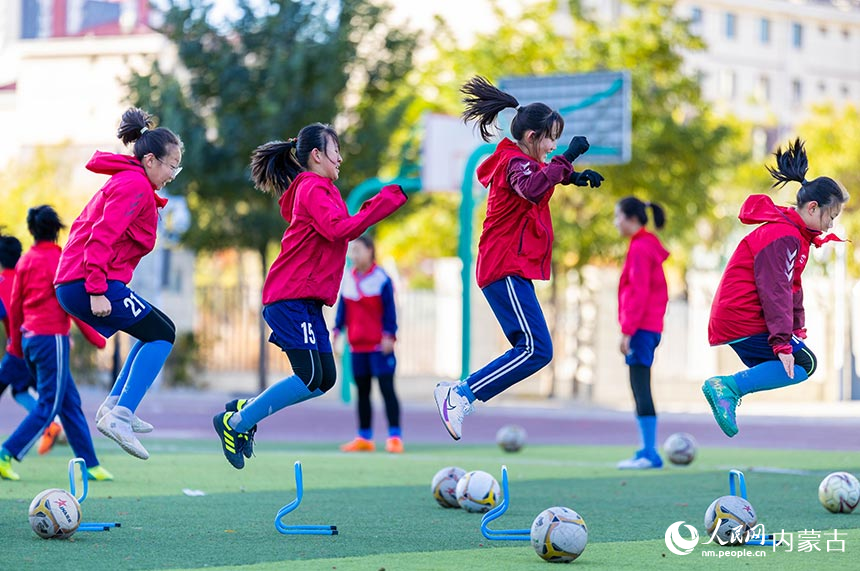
(758, 307)
(516, 241)
(115, 230)
(306, 274)
(642, 299)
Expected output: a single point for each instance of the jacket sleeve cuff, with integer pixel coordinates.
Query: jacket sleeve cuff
(782, 349)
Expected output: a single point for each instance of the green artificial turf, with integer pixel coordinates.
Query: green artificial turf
(388, 519)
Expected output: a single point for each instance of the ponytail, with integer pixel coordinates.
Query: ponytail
(274, 165)
(44, 223)
(792, 165)
(136, 127)
(632, 207)
(484, 102)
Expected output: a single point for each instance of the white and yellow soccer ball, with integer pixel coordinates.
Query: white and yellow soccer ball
(444, 486)
(680, 448)
(732, 518)
(511, 437)
(478, 492)
(559, 535)
(839, 492)
(55, 514)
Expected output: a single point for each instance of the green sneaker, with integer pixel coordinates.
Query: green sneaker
(232, 442)
(723, 400)
(6, 471)
(236, 405)
(99, 474)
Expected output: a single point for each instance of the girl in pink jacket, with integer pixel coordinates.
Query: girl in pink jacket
(642, 299)
(115, 230)
(306, 274)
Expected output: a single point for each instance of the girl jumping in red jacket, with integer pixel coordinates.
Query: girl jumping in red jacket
(642, 299)
(306, 274)
(39, 330)
(115, 230)
(758, 306)
(516, 242)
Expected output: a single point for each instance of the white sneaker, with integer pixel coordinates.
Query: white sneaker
(453, 407)
(637, 464)
(137, 424)
(116, 425)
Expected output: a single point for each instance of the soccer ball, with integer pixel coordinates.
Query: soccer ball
(680, 448)
(444, 486)
(55, 514)
(839, 492)
(478, 492)
(511, 437)
(559, 535)
(732, 518)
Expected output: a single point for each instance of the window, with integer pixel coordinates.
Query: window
(846, 91)
(696, 15)
(731, 25)
(763, 89)
(727, 84)
(797, 35)
(796, 92)
(822, 87)
(765, 31)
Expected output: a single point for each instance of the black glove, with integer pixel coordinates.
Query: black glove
(578, 145)
(586, 178)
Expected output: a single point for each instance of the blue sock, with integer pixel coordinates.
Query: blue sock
(394, 432)
(648, 431)
(366, 433)
(767, 376)
(463, 389)
(119, 384)
(25, 399)
(282, 394)
(147, 364)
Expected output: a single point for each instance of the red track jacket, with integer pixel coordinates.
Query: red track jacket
(761, 289)
(116, 228)
(517, 236)
(313, 249)
(642, 292)
(34, 306)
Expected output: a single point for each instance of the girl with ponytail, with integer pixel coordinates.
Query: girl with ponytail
(642, 299)
(116, 229)
(758, 307)
(305, 276)
(516, 242)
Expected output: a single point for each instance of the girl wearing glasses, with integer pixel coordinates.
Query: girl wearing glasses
(115, 230)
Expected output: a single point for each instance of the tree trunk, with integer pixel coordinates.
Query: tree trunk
(263, 362)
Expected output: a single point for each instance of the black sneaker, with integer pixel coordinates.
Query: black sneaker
(236, 405)
(232, 442)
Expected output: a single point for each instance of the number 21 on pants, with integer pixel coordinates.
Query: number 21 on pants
(133, 304)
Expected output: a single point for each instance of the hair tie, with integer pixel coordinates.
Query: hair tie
(804, 182)
(292, 140)
(520, 108)
(144, 129)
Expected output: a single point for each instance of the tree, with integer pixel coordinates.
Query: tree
(33, 182)
(279, 66)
